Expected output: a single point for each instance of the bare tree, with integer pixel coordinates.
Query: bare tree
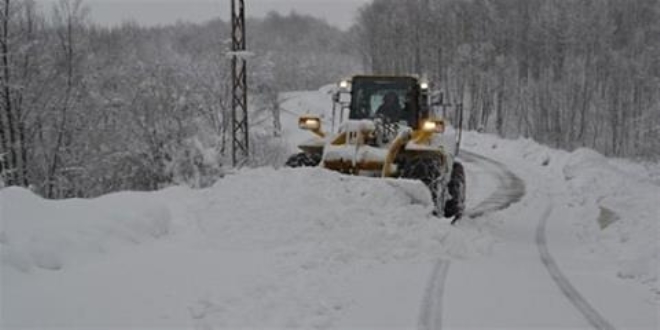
(69, 25)
(17, 22)
(568, 73)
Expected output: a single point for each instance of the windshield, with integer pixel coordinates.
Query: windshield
(390, 99)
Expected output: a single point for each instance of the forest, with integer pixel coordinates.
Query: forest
(88, 109)
(567, 73)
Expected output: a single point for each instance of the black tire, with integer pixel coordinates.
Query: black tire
(427, 169)
(303, 160)
(455, 206)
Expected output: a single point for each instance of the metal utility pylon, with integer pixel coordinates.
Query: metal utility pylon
(239, 106)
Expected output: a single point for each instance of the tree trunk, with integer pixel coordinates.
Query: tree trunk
(11, 157)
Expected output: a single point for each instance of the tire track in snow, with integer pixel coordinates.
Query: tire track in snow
(511, 190)
(590, 314)
(430, 317)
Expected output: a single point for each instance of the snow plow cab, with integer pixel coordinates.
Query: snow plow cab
(389, 132)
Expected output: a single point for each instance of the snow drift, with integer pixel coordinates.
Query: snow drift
(51, 235)
(617, 200)
(284, 241)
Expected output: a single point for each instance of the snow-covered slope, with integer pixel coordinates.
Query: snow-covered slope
(261, 248)
(294, 104)
(617, 202)
(560, 261)
(266, 248)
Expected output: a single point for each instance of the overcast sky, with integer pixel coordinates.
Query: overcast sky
(152, 12)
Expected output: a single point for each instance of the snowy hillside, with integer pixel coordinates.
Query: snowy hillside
(295, 104)
(267, 248)
(278, 241)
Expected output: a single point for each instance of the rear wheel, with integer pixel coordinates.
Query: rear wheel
(303, 160)
(427, 169)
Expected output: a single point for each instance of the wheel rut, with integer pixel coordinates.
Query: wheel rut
(511, 188)
(510, 191)
(568, 290)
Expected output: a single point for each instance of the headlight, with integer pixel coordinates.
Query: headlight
(309, 123)
(429, 126)
(424, 85)
(344, 84)
(433, 126)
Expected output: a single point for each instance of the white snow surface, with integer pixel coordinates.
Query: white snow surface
(309, 248)
(262, 248)
(295, 104)
(592, 182)
(352, 153)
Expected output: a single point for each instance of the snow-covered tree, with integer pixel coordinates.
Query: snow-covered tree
(567, 73)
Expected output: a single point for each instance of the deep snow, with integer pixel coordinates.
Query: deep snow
(267, 248)
(261, 247)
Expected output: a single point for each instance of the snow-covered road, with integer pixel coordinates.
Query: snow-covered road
(509, 188)
(267, 248)
(536, 276)
(506, 189)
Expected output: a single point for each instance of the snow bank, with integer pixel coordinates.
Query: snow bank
(321, 228)
(50, 235)
(629, 211)
(261, 248)
(362, 218)
(617, 202)
(586, 169)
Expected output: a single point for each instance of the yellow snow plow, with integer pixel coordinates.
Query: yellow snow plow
(389, 132)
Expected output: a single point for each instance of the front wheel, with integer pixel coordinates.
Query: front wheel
(456, 189)
(427, 169)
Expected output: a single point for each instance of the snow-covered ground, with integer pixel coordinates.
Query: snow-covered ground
(597, 219)
(267, 248)
(294, 104)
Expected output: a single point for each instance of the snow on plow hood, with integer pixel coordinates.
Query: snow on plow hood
(362, 154)
(357, 125)
(353, 153)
